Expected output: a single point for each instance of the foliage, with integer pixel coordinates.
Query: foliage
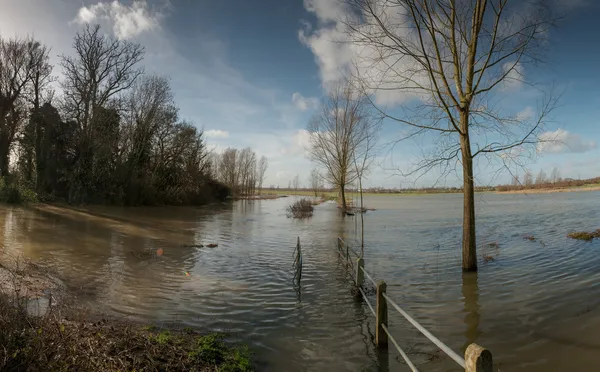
(116, 137)
(16, 193)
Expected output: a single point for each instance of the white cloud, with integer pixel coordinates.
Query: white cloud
(515, 76)
(561, 141)
(300, 142)
(304, 103)
(526, 114)
(338, 57)
(216, 133)
(126, 21)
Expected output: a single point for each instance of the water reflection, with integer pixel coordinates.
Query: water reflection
(245, 285)
(470, 292)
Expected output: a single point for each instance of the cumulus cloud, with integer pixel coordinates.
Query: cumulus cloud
(383, 73)
(526, 114)
(304, 103)
(515, 76)
(300, 142)
(126, 21)
(216, 133)
(561, 141)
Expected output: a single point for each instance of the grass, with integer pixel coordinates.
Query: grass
(66, 339)
(583, 235)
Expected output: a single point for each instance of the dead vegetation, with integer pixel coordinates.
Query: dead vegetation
(303, 208)
(64, 338)
(583, 235)
(490, 252)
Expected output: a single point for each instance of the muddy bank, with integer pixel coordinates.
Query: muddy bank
(42, 327)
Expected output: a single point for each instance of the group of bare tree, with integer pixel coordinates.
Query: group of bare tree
(540, 179)
(113, 135)
(240, 170)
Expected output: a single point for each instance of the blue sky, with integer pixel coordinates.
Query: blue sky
(251, 73)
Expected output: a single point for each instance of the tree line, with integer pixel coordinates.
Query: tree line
(112, 135)
(240, 170)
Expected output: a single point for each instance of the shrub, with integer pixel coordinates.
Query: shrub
(303, 208)
(16, 193)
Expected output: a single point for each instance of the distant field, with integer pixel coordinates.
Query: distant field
(332, 193)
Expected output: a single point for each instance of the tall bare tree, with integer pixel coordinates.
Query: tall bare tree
(263, 164)
(296, 183)
(101, 68)
(555, 175)
(20, 60)
(527, 178)
(541, 178)
(452, 56)
(339, 133)
(316, 181)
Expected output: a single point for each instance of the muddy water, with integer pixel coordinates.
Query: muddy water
(535, 304)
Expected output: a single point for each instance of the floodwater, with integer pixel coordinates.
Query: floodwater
(535, 304)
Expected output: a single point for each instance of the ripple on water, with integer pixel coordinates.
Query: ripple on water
(517, 305)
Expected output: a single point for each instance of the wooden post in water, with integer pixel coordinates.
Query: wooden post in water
(382, 315)
(339, 244)
(478, 359)
(347, 254)
(360, 275)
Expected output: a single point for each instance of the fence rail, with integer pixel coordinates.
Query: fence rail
(297, 265)
(476, 359)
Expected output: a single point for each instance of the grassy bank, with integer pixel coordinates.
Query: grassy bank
(64, 337)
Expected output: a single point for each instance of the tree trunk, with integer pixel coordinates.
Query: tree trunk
(343, 196)
(469, 248)
(4, 152)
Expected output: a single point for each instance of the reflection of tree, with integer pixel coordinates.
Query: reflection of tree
(470, 291)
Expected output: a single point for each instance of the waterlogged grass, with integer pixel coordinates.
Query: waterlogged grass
(48, 344)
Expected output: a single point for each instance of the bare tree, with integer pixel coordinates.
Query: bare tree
(541, 178)
(228, 168)
(316, 181)
(263, 164)
(101, 68)
(515, 181)
(20, 61)
(555, 175)
(527, 178)
(296, 184)
(454, 57)
(339, 133)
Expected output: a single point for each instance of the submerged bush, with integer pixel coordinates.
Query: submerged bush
(583, 235)
(303, 208)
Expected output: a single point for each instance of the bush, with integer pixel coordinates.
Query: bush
(16, 193)
(303, 208)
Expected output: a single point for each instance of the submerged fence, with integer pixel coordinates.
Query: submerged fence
(476, 359)
(297, 265)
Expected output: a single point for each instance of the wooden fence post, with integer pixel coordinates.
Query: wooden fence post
(339, 244)
(478, 359)
(347, 254)
(382, 315)
(360, 275)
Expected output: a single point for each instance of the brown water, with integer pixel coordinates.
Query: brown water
(535, 306)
